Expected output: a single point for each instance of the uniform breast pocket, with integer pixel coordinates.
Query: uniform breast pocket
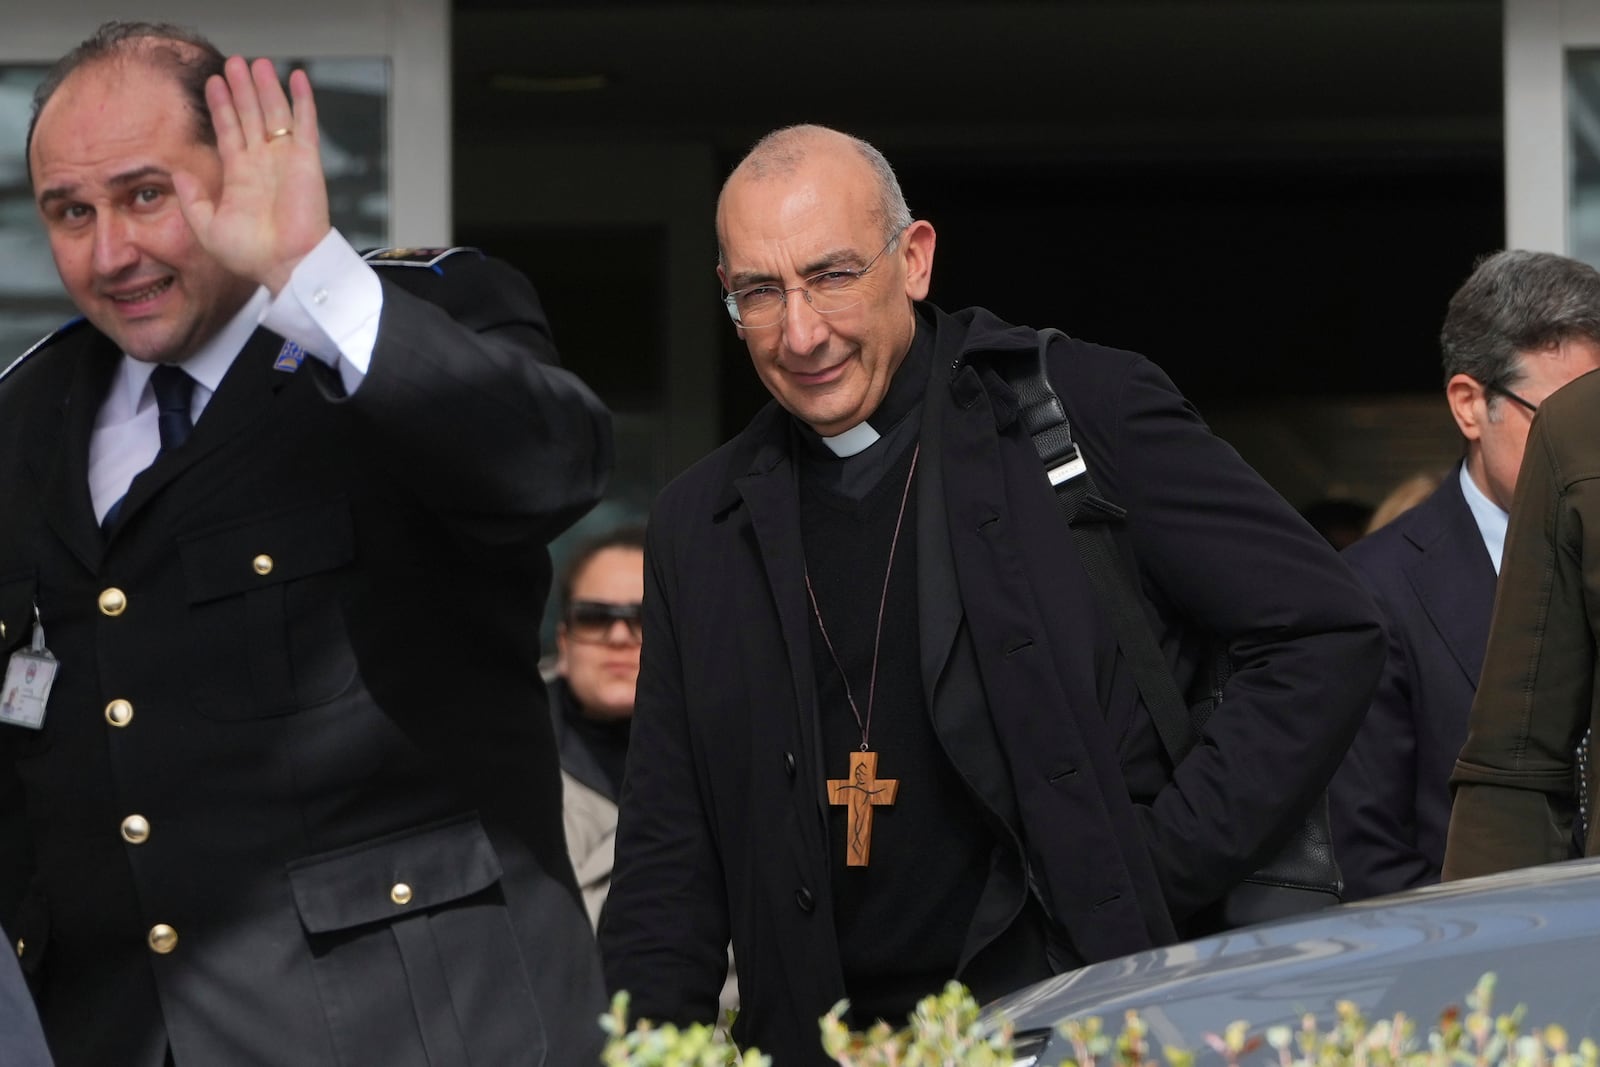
(266, 618)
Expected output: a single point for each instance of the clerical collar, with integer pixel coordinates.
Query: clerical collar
(856, 439)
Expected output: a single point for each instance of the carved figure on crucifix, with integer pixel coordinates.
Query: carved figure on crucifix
(861, 792)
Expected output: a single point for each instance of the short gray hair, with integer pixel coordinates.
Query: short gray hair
(782, 151)
(1517, 302)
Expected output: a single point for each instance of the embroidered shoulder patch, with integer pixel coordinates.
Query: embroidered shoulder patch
(43, 343)
(412, 257)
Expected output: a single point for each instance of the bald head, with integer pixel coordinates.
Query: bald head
(814, 220)
(784, 153)
(189, 58)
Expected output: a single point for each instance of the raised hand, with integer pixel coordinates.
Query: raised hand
(273, 205)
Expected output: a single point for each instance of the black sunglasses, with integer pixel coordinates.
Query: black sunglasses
(592, 620)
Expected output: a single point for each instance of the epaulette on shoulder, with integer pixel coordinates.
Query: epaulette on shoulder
(43, 343)
(415, 257)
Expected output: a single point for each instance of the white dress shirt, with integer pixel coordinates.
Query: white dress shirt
(1492, 519)
(330, 308)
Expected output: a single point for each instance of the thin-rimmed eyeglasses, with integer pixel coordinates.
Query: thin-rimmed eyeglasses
(828, 292)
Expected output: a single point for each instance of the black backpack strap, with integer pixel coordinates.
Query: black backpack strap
(1087, 513)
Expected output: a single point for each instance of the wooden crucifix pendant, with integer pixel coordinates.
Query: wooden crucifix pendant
(860, 793)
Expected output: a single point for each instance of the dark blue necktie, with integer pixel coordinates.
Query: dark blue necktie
(174, 389)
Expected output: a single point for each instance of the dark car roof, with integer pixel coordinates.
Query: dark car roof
(1418, 952)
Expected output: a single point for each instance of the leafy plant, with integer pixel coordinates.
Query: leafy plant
(646, 1045)
(945, 1031)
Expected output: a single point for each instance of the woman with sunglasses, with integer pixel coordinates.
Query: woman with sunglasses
(591, 696)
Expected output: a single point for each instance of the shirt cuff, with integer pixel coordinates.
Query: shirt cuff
(331, 308)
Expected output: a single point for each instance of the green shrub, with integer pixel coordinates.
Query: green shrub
(647, 1045)
(944, 1031)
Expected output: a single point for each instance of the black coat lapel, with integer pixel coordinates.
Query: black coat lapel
(771, 495)
(58, 444)
(938, 596)
(950, 673)
(1454, 577)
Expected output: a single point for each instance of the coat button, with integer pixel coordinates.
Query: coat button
(135, 829)
(21, 946)
(802, 897)
(400, 894)
(119, 712)
(788, 763)
(262, 564)
(2, 630)
(113, 602)
(163, 939)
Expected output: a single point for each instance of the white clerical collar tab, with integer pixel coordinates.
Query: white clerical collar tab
(857, 438)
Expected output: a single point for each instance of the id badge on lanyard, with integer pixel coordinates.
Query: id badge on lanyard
(29, 674)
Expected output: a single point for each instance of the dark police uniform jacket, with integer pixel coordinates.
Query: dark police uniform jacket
(296, 798)
(723, 825)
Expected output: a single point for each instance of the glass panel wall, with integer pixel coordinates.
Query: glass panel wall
(1583, 141)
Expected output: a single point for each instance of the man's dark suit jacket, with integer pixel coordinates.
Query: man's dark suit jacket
(724, 814)
(324, 631)
(1390, 802)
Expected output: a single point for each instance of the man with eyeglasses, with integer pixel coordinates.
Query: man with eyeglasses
(883, 736)
(1522, 326)
(1523, 777)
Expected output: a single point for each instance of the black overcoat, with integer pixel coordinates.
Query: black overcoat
(723, 822)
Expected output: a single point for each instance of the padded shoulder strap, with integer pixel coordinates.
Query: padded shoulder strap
(1084, 510)
(1045, 420)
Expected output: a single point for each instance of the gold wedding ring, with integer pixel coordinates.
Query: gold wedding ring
(281, 131)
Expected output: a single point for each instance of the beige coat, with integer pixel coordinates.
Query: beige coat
(591, 823)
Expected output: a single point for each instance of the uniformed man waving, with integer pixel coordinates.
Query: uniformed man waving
(274, 535)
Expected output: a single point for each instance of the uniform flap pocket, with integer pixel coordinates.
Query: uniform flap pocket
(267, 549)
(17, 591)
(380, 880)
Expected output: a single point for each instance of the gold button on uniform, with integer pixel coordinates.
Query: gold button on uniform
(163, 938)
(113, 602)
(21, 944)
(135, 829)
(400, 894)
(2, 630)
(119, 713)
(262, 564)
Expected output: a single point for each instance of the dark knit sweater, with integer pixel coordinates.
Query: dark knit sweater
(902, 920)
